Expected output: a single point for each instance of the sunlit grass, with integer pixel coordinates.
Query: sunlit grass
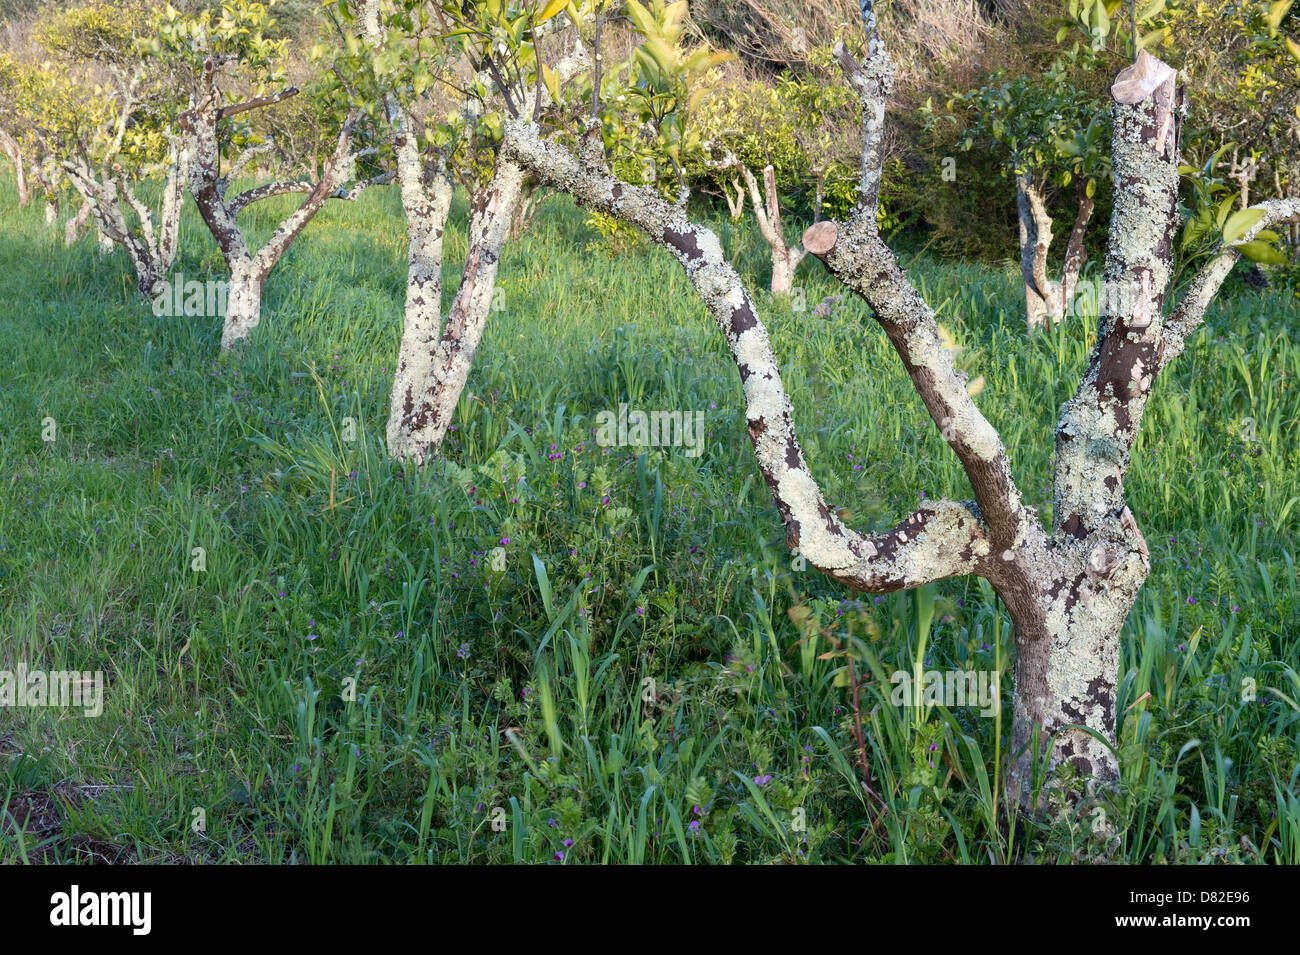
(351, 680)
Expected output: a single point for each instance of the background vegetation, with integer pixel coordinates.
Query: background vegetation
(523, 689)
(517, 691)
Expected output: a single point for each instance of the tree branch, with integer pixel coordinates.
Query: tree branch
(1190, 312)
(942, 539)
(1099, 424)
(259, 102)
(858, 257)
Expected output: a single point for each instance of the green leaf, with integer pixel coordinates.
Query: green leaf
(1221, 213)
(552, 9)
(1153, 38)
(1258, 251)
(1239, 222)
(544, 585)
(1100, 20)
(1276, 12)
(1149, 10)
(644, 22)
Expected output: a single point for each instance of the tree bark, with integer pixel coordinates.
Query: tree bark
(767, 212)
(1072, 680)
(243, 302)
(1076, 254)
(72, 228)
(1042, 296)
(249, 269)
(426, 201)
(10, 147)
(424, 426)
(1069, 588)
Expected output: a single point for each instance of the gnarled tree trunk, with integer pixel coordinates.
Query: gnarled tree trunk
(434, 359)
(1069, 587)
(112, 203)
(424, 425)
(1042, 296)
(208, 183)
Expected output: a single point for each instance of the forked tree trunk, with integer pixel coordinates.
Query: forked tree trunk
(1067, 588)
(434, 359)
(72, 228)
(1047, 301)
(150, 241)
(424, 426)
(1042, 296)
(202, 138)
(767, 212)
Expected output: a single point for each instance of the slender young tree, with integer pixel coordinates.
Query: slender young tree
(435, 357)
(1068, 585)
(1050, 134)
(104, 118)
(211, 56)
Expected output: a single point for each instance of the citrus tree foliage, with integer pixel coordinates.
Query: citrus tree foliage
(104, 114)
(802, 124)
(1244, 63)
(230, 66)
(657, 114)
(1108, 23)
(1044, 128)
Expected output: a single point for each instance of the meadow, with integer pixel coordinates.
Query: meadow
(539, 649)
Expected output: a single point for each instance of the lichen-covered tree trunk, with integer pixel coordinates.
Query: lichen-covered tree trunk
(425, 425)
(435, 359)
(152, 251)
(1076, 253)
(243, 302)
(9, 146)
(200, 139)
(1068, 588)
(426, 202)
(1042, 296)
(1094, 439)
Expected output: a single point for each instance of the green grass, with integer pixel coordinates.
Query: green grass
(519, 696)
